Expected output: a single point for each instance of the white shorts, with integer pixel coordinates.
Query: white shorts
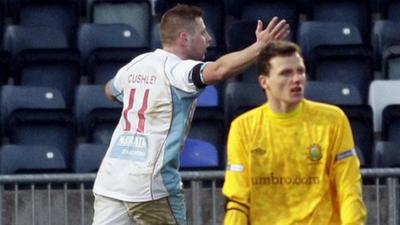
(165, 211)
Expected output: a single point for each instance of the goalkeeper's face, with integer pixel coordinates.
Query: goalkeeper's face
(284, 84)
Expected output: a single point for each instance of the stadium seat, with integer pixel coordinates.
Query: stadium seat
(18, 38)
(61, 15)
(357, 13)
(103, 64)
(87, 157)
(209, 97)
(383, 38)
(198, 154)
(208, 125)
(37, 116)
(266, 10)
(336, 93)
(349, 64)
(92, 37)
(21, 97)
(387, 154)
(317, 33)
(381, 94)
(390, 9)
(240, 97)
(391, 123)
(40, 56)
(3, 15)
(361, 158)
(237, 42)
(360, 118)
(55, 68)
(96, 115)
(27, 159)
(134, 13)
(5, 63)
(391, 63)
(155, 41)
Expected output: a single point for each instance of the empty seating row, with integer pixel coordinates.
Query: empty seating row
(94, 117)
(333, 52)
(38, 116)
(66, 15)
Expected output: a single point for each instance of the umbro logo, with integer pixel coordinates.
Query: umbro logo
(258, 152)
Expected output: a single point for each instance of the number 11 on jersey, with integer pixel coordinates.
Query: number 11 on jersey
(140, 112)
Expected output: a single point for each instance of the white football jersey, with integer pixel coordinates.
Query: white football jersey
(142, 161)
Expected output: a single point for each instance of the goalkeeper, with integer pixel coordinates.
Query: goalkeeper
(291, 160)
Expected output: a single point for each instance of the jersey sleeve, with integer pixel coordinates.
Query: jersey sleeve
(237, 186)
(236, 214)
(347, 175)
(187, 76)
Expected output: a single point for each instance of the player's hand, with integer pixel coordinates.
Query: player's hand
(276, 30)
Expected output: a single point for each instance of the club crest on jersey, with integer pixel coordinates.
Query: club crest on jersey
(314, 152)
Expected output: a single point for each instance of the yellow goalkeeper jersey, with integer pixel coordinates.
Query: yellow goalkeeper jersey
(291, 169)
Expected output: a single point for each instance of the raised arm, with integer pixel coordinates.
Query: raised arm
(234, 63)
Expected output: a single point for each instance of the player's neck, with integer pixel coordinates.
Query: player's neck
(176, 51)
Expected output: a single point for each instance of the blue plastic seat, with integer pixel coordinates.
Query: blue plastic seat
(336, 93)
(385, 40)
(348, 64)
(61, 15)
(21, 97)
(27, 159)
(134, 13)
(266, 10)
(317, 33)
(237, 42)
(87, 157)
(198, 154)
(18, 38)
(92, 37)
(361, 121)
(390, 9)
(37, 116)
(209, 97)
(3, 15)
(387, 154)
(357, 13)
(240, 97)
(5, 64)
(96, 115)
(391, 123)
(391, 63)
(103, 64)
(59, 69)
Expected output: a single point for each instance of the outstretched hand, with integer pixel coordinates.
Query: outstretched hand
(276, 30)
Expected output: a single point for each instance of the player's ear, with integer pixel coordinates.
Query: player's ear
(263, 81)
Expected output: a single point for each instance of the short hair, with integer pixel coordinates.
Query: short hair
(180, 18)
(275, 48)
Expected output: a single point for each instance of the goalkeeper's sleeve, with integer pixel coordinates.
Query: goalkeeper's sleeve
(237, 183)
(236, 214)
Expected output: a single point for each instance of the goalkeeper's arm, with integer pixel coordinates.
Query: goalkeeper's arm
(236, 213)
